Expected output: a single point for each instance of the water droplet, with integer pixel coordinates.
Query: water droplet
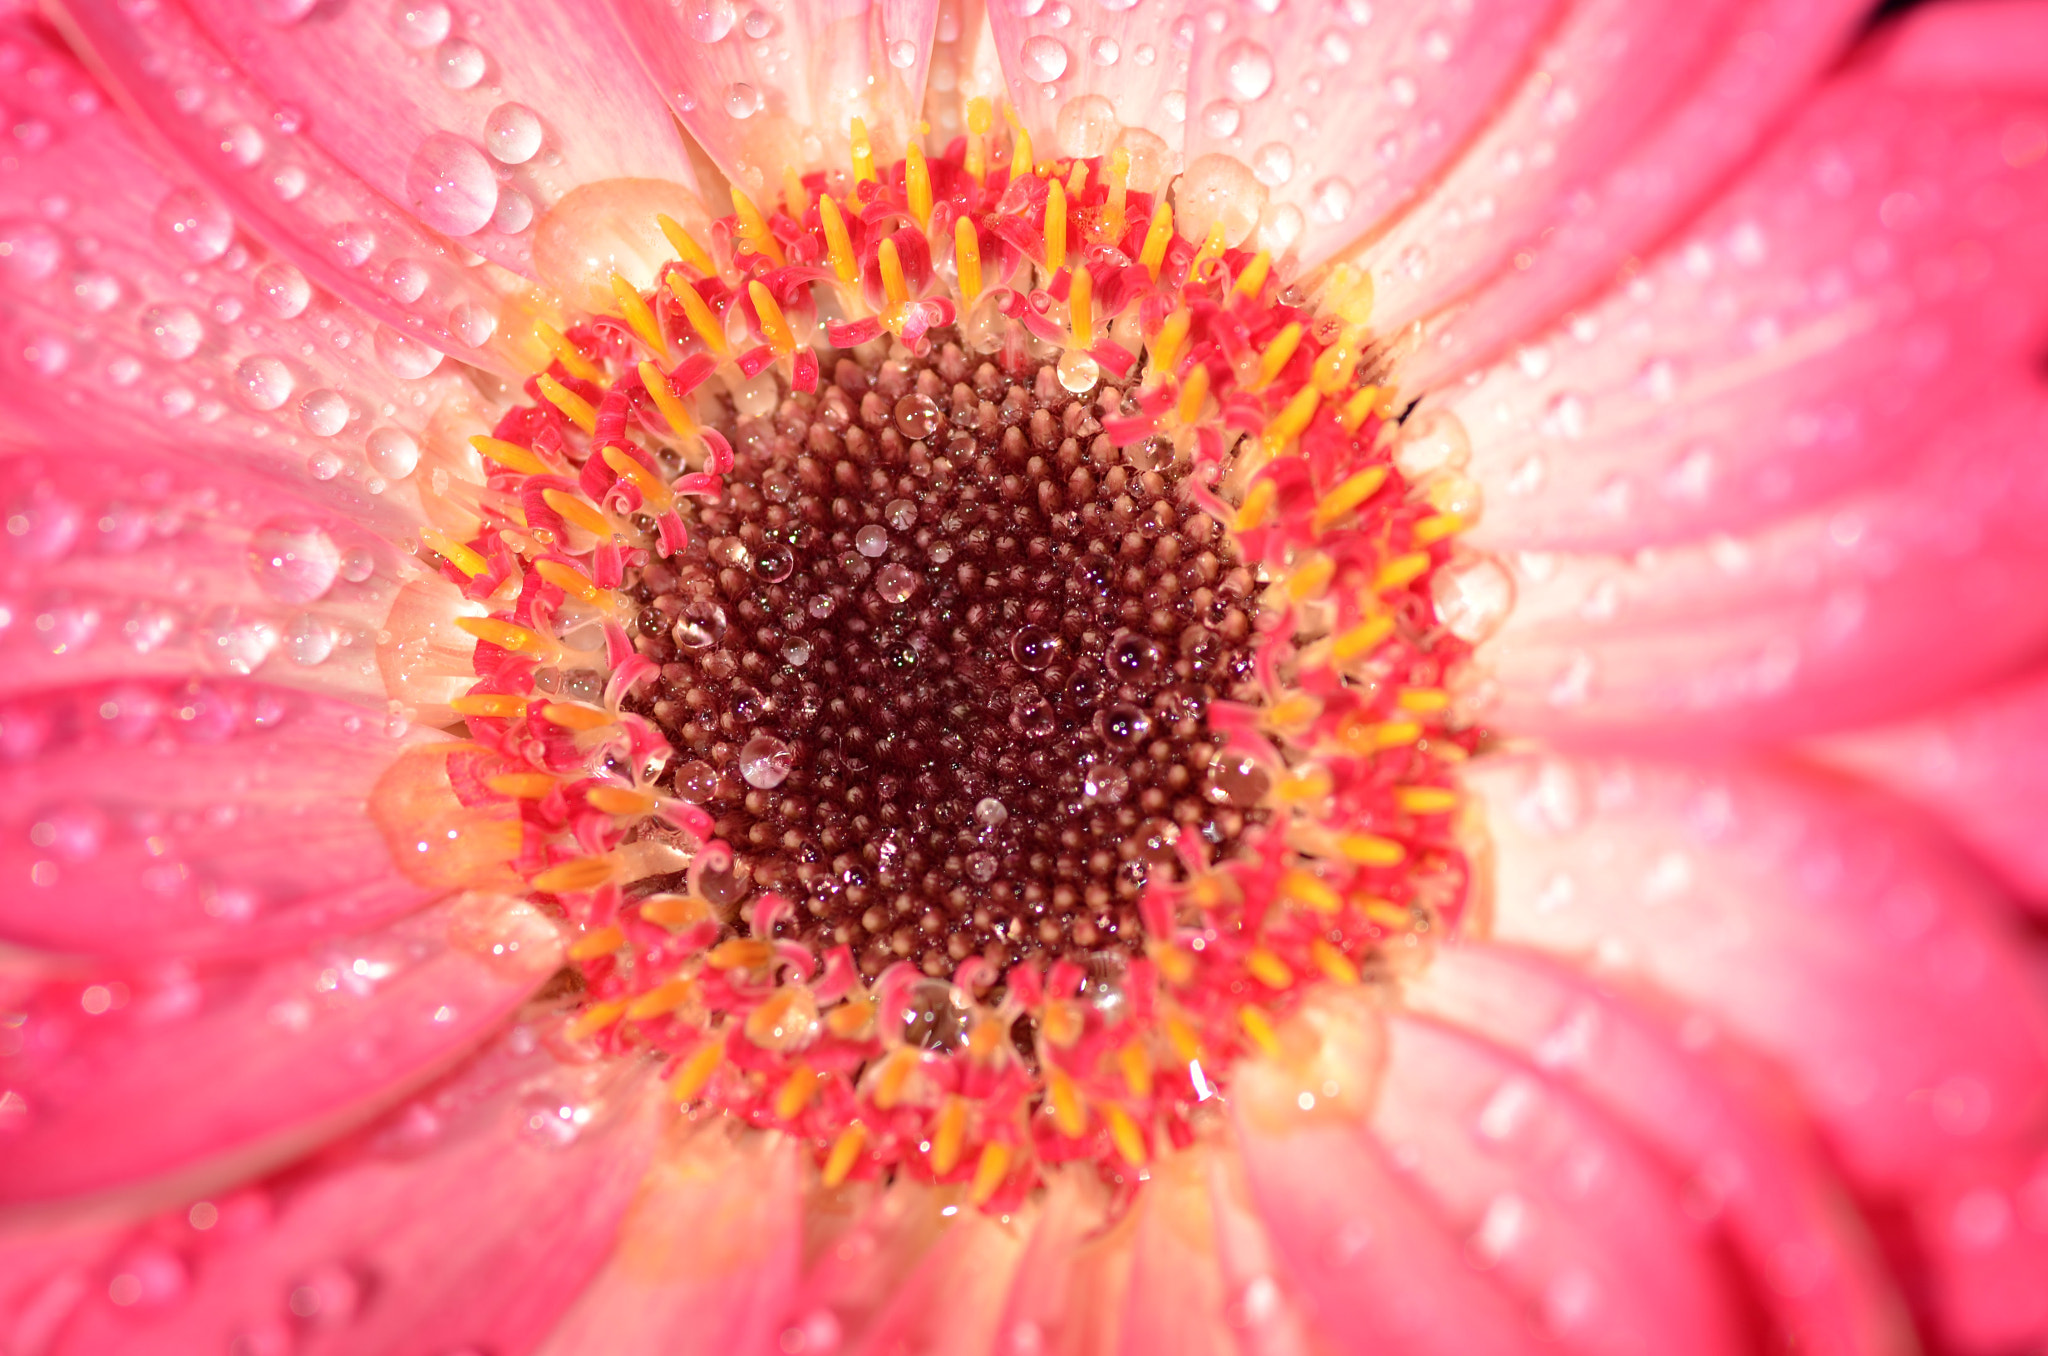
(1044, 58)
(514, 214)
(1105, 783)
(710, 20)
(765, 762)
(991, 813)
(294, 561)
(308, 640)
(1077, 371)
(284, 12)
(1133, 658)
(174, 331)
(263, 381)
(29, 251)
(283, 290)
(742, 100)
(895, 583)
(1566, 414)
(404, 356)
(1472, 597)
(758, 24)
(871, 541)
(796, 652)
(1034, 719)
(902, 54)
(917, 416)
(700, 626)
(1247, 69)
(1431, 441)
(242, 144)
(512, 134)
(353, 242)
(981, 867)
(934, 1018)
(1220, 118)
(419, 24)
(554, 1119)
(328, 1294)
(324, 412)
(196, 226)
(451, 185)
(1104, 51)
(1273, 163)
(1332, 201)
(392, 452)
(1237, 779)
(406, 280)
(237, 643)
(458, 64)
(1033, 647)
(1333, 48)
(774, 562)
(900, 514)
(472, 322)
(1218, 188)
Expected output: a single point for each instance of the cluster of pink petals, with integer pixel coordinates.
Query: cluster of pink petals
(1743, 309)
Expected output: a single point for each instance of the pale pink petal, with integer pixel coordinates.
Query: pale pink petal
(1980, 766)
(876, 1236)
(707, 1258)
(950, 1300)
(1875, 275)
(1177, 1300)
(1378, 1268)
(165, 819)
(1078, 74)
(1549, 1195)
(339, 230)
(1613, 74)
(1819, 925)
(786, 95)
(134, 308)
(476, 118)
(468, 1219)
(963, 65)
(1775, 53)
(1813, 1269)
(240, 1067)
(1855, 611)
(1071, 1278)
(1367, 102)
(1982, 1232)
(130, 565)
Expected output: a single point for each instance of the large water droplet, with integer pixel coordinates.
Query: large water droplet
(323, 412)
(263, 381)
(765, 762)
(512, 134)
(174, 331)
(1273, 163)
(451, 185)
(916, 416)
(1332, 201)
(1247, 69)
(459, 63)
(700, 626)
(308, 640)
(1123, 724)
(1218, 188)
(283, 290)
(196, 226)
(1132, 657)
(472, 322)
(742, 100)
(1472, 597)
(294, 561)
(709, 20)
(1220, 118)
(419, 24)
(29, 251)
(404, 356)
(392, 452)
(1044, 58)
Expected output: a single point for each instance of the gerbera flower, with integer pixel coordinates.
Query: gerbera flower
(1083, 678)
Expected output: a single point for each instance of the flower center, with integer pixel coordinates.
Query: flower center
(957, 737)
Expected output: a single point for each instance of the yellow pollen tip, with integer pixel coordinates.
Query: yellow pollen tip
(1260, 1028)
(1349, 295)
(522, 785)
(1438, 526)
(664, 397)
(794, 198)
(1333, 963)
(1363, 638)
(1119, 194)
(572, 716)
(1358, 407)
(795, 1093)
(845, 1153)
(981, 118)
(601, 942)
(1334, 368)
(454, 552)
(1401, 571)
(1187, 1046)
(754, 228)
(949, 1136)
(989, 1172)
(1069, 1115)
(511, 456)
(494, 705)
(685, 245)
(661, 1000)
(1268, 969)
(917, 185)
(891, 263)
(617, 800)
(967, 258)
(639, 315)
(1423, 700)
(1388, 915)
(1253, 280)
(1124, 1133)
(1277, 354)
(571, 357)
(838, 243)
(1173, 962)
(1349, 494)
(1135, 1062)
(577, 511)
(652, 488)
(1055, 227)
(505, 635)
(1311, 892)
(773, 325)
(1158, 236)
(1061, 1023)
(1258, 502)
(594, 1019)
(700, 315)
(1312, 578)
(1081, 307)
(894, 1077)
(1165, 345)
(585, 873)
(675, 911)
(697, 1070)
(1287, 425)
(739, 953)
(571, 581)
(1426, 800)
(1194, 392)
(1020, 145)
(863, 153)
(1369, 849)
(574, 408)
(1212, 248)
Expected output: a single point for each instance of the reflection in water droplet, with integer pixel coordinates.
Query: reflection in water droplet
(1033, 647)
(765, 762)
(194, 225)
(1220, 118)
(173, 331)
(263, 381)
(742, 100)
(701, 624)
(916, 416)
(1044, 58)
(512, 134)
(323, 412)
(1123, 724)
(903, 54)
(451, 184)
(473, 323)
(308, 640)
(294, 561)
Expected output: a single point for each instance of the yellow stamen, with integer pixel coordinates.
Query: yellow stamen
(570, 356)
(574, 408)
(1436, 527)
(617, 800)
(989, 1172)
(1358, 407)
(1349, 494)
(652, 488)
(585, 873)
(511, 456)
(1173, 962)
(794, 198)
(795, 1093)
(494, 705)
(1077, 180)
(685, 245)
(1258, 502)
(1287, 425)
(773, 326)
(601, 942)
(917, 185)
(505, 635)
(1310, 891)
(661, 1000)
(1157, 237)
(1333, 963)
(1080, 307)
(1136, 1063)
(454, 552)
(1401, 571)
(1387, 914)
(753, 228)
(1260, 1028)
(1020, 146)
(1363, 638)
(845, 1153)
(739, 953)
(1396, 733)
(863, 153)
(967, 258)
(522, 785)
(1123, 1132)
(571, 581)
(697, 1071)
(639, 315)
(675, 911)
(837, 242)
(1312, 781)
(1165, 345)
(672, 409)
(1193, 392)
(701, 317)
(1426, 800)
(1186, 1045)
(1253, 280)
(1212, 248)
(1268, 968)
(1423, 700)
(1055, 227)
(1350, 295)
(1068, 1112)
(981, 118)
(894, 1077)
(1312, 578)
(1334, 367)
(1119, 194)
(577, 512)
(1369, 849)
(1277, 353)
(949, 1136)
(893, 285)
(594, 1019)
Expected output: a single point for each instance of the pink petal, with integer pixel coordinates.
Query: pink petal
(475, 118)
(1970, 44)
(1811, 921)
(950, 1301)
(162, 819)
(142, 565)
(706, 1260)
(1177, 1298)
(44, 1275)
(134, 310)
(466, 1220)
(1379, 1269)
(1074, 1259)
(1980, 766)
(1857, 611)
(1776, 53)
(1874, 276)
(1126, 56)
(1549, 1195)
(1614, 74)
(1367, 103)
(244, 1066)
(1815, 1272)
(1983, 1232)
(340, 230)
(884, 1232)
(755, 113)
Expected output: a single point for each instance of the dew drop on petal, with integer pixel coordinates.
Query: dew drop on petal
(392, 452)
(1332, 201)
(294, 561)
(1104, 51)
(1218, 188)
(284, 12)
(1472, 597)
(900, 514)
(514, 214)
(308, 640)
(404, 356)
(765, 762)
(1220, 118)
(1087, 126)
(1044, 58)
(29, 251)
(1077, 371)
(742, 100)
(419, 24)
(283, 290)
(451, 185)
(701, 624)
(709, 20)
(1247, 69)
(512, 134)
(324, 412)
(173, 331)
(194, 225)
(1034, 647)
(1273, 163)
(263, 381)
(916, 416)
(459, 63)
(902, 54)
